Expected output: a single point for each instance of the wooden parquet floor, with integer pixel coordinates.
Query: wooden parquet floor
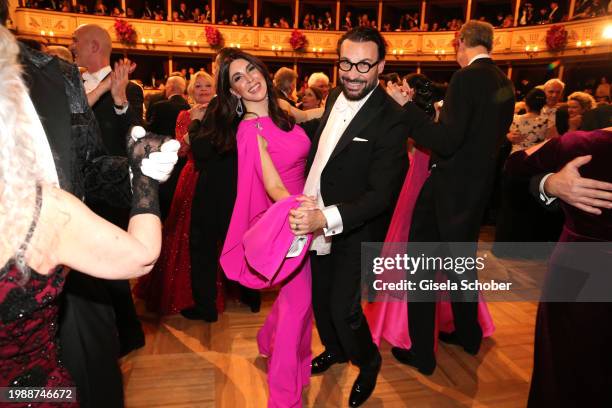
(197, 364)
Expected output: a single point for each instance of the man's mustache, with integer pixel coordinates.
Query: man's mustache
(354, 81)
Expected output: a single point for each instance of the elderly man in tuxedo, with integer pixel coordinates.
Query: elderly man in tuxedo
(355, 169)
(477, 112)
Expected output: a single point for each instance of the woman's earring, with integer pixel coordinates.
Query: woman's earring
(239, 110)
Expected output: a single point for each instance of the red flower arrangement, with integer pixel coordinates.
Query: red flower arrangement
(455, 41)
(556, 37)
(125, 32)
(213, 36)
(298, 40)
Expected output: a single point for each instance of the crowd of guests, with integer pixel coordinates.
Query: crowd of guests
(311, 21)
(408, 21)
(210, 203)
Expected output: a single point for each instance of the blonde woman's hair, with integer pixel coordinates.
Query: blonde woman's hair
(194, 78)
(586, 101)
(19, 170)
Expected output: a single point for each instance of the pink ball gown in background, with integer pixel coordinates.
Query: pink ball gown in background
(254, 252)
(388, 320)
(167, 289)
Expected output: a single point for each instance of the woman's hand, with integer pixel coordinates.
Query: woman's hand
(197, 111)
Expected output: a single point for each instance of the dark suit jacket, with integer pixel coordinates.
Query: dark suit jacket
(598, 118)
(282, 95)
(477, 112)
(150, 101)
(114, 127)
(164, 114)
(215, 193)
(363, 178)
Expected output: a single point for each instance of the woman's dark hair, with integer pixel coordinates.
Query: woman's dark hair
(391, 77)
(221, 121)
(562, 119)
(426, 92)
(535, 100)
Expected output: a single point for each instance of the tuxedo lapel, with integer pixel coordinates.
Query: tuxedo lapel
(370, 109)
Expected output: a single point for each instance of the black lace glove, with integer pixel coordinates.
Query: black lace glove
(145, 197)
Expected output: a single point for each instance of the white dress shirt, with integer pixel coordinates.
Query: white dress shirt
(479, 56)
(341, 115)
(92, 80)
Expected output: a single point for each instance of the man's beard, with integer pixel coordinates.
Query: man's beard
(366, 90)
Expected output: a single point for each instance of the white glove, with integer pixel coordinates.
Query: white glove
(158, 165)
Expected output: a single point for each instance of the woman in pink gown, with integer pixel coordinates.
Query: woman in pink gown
(167, 289)
(388, 318)
(272, 154)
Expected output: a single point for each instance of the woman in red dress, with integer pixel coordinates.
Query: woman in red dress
(167, 289)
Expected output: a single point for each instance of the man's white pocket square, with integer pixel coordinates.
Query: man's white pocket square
(358, 139)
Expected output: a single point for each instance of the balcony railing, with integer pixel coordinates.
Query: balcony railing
(585, 37)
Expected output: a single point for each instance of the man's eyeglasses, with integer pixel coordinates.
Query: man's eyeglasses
(362, 66)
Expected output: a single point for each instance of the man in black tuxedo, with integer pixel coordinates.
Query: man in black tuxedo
(477, 112)
(164, 113)
(355, 169)
(116, 111)
(163, 122)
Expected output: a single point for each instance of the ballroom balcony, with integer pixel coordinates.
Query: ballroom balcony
(586, 38)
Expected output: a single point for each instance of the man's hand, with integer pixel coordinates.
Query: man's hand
(120, 79)
(304, 221)
(586, 194)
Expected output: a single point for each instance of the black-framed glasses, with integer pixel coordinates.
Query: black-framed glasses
(362, 66)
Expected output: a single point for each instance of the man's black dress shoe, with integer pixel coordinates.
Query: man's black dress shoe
(325, 360)
(365, 383)
(452, 338)
(409, 358)
(193, 313)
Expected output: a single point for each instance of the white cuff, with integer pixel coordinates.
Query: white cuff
(545, 198)
(334, 221)
(122, 110)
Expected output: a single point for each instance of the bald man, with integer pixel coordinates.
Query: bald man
(119, 108)
(163, 113)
